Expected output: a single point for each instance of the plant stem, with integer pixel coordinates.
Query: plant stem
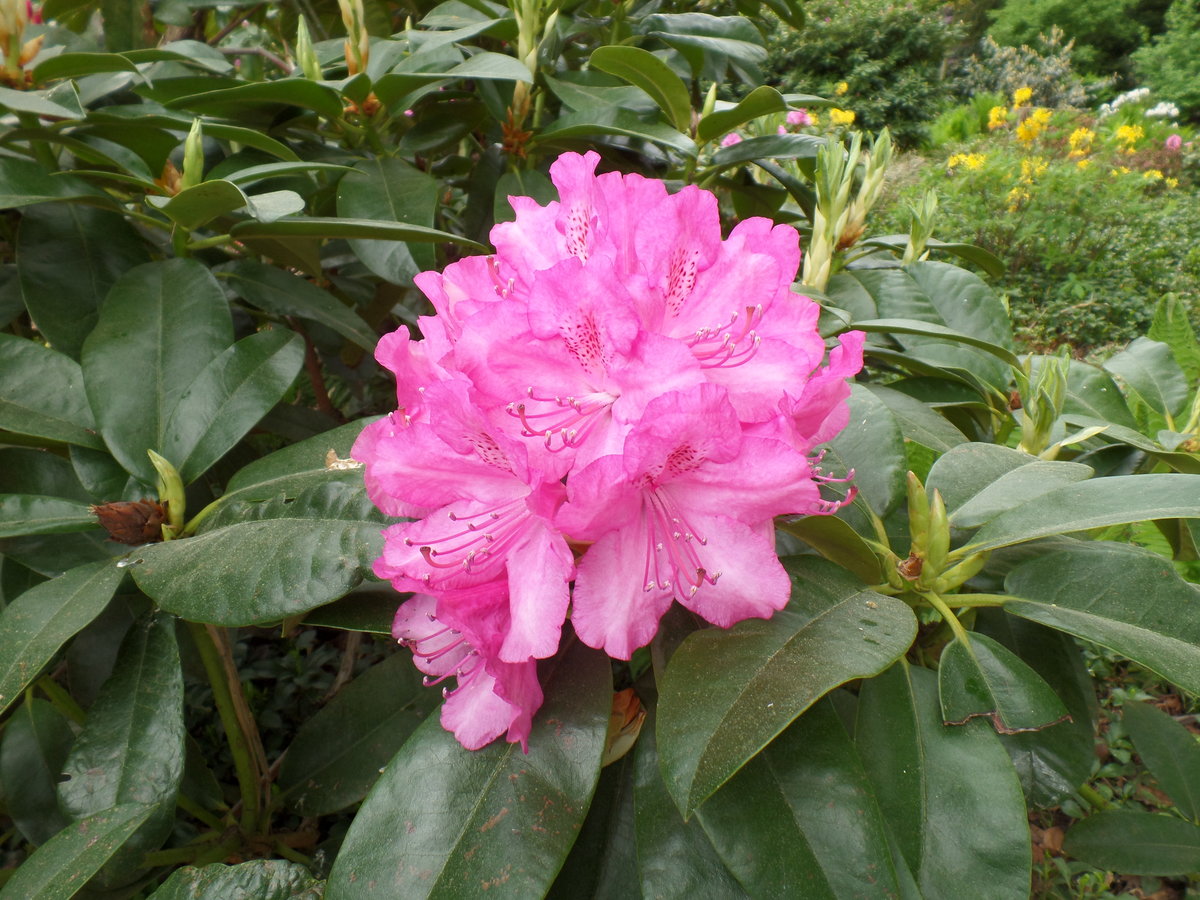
(947, 615)
(294, 855)
(194, 809)
(974, 600)
(62, 701)
(249, 759)
(1093, 797)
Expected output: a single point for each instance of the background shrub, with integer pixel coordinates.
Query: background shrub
(1104, 32)
(1045, 66)
(890, 57)
(1171, 64)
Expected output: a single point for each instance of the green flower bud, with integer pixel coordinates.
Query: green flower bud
(193, 157)
(170, 494)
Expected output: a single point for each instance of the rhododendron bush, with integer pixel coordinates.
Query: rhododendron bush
(438, 459)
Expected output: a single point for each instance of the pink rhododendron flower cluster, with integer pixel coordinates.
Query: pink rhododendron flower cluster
(603, 418)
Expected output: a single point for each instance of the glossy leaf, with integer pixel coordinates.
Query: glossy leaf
(675, 859)
(280, 293)
(338, 753)
(42, 396)
(983, 678)
(131, 747)
(23, 182)
(285, 92)
(759, 102)
(1098, 591)
(462, 822)
(801, 818)
(35, 103)
(201, 203)
(160, 326)
(918, 422)
(229, 397)
(710, 723)
(1093, 504)
(32, 514)
(933, 330)
(873, 446)
(305, 226)
(835, 540)
(1017, 487)
(64, 300)
(370, 608)
(603, 862)
(645, 70)
(774, 146)
(1169, 751)
(948, 793)
(60, 868)
(1092, 392)
(985, 259)
(390, 190)
(1052, 762)
(285, 473)
(613, 121)
(24, 469)
(287, 556)
(37, 623)
(33, 747)
(74, 65)
(261, 879)
(1149, 370)
(1136, 843)
(710, 44)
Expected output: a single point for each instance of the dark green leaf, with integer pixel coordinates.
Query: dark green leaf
(588, 124)
(338, 753)
(801, 819)
(603, 862)
(296, 553)
(872, 445)
(301, 226)
(1092, 392)
(371, 608)
(1016, 487)
(63, 300)
(759, 102)
(1093, 504)
(262, 879)
(42, 396)
(834, 539)
(989, 262)
(497, 820)
(34, 746)
(1149, 370)
(919, 422)
(390, 190)
(23, 182)
(1136, 843)
(1169, 751)
(34, 102)
(281, 293)
(45, 617)
(710, 723)
(31, 514)
(675, 859)
(775, 146)
(228, 398)
(60, 868)
(285, 92)
(710, 44)
(131, 747)
(23, 469)
(1122, 597)
(195, 53)
(948, 793)
(984, 678)
(645, 70)
(160, 326)
(1052, 762)
(200, 204)
(933, 330)
(74, 65)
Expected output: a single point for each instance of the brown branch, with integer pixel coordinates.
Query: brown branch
(257, 51)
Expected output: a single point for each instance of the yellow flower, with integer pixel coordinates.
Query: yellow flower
(1120, 170)
(1031, 168)
(841, 116)
(1028, 130)
(1083, 163)
(1152, 175)
(1172, 182)
(1130, 135)
(997, 117)
(1081, 142)
(841, 88)
(1016, 197)
(814, 119)
(975, 161)
(1022, 95)
(956, 160)
(1041, 116)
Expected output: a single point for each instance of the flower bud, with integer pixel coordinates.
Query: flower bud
(306, 54)
(193, 157)
(170, 493)
(957, 575)
(918, 515)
